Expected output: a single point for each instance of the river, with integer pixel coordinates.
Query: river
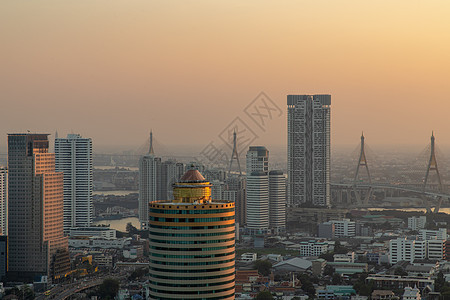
(120, 224)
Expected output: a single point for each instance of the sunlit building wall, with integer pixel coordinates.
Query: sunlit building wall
(192, 243)
(36, 242)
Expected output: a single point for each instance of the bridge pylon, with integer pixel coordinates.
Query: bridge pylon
(362, 162)
(433, 166)
(234, 155)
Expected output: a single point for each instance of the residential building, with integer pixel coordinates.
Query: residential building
(403, 249)
(98, 231)
(440, 234)
(411, 293)
(98, 242)
(395, 282)
(313, 248)
(348, 258)
(309, 149)
(36, 242)
(382, 295)
(249, 257)
(3, 200)
(205, 246)
(344, 228)
(417, 223)
(73, 157)
(326, 230)
(436, 249)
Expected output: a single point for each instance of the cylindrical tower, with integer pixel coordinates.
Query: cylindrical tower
(192, 243)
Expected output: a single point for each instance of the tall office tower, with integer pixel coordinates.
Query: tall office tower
(149, 183)
(309, 149)
(171, 172)
(236, 191)
(73, 157)
(257, 190)
(277, 200)
(257, 201)
(36, 242)
(3, 200)
(257, 159)
(192, 243)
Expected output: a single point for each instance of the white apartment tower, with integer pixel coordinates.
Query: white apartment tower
(257, 190)
(73, 157)
(309, 149)
(277, 199)
(3, 200)
(149, 183)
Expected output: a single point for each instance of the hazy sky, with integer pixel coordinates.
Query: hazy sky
(111, 70)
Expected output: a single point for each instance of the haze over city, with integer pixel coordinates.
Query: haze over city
(113, 70)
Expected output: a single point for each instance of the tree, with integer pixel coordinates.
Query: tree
(327, 256)
(130, 228)
(307, 285)
(264, 295)
(337, 279)
(263, 267)
(25, 292)
(109, 288)
(328, 270)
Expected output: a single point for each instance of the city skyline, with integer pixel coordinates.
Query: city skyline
(131, 59)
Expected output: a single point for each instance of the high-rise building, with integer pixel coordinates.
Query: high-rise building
(309, 149)
(257, 190)
(73, 157)
(192, 243)
(149, 183)
(257, 159)
(236, 191)
(257, 201)
(36, 242)
(3, 200)
(171, 172)
(277, 200)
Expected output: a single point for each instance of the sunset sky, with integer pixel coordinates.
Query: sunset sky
(112, 70)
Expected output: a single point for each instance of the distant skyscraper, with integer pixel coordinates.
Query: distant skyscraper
(277, 200)
(192, 243)
(36, 241)
(257, 188)
(236, 191)
(149, 182)
(309, 149)
(3, 200)
(73, 157)
(171, 172)
(257, 159)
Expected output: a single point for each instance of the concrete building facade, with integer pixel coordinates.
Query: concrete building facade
(277, 200)
(3, 200)
(73, 157)
(36, 242)
(309, 149)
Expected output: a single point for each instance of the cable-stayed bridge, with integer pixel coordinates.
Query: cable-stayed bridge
(360, 193)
